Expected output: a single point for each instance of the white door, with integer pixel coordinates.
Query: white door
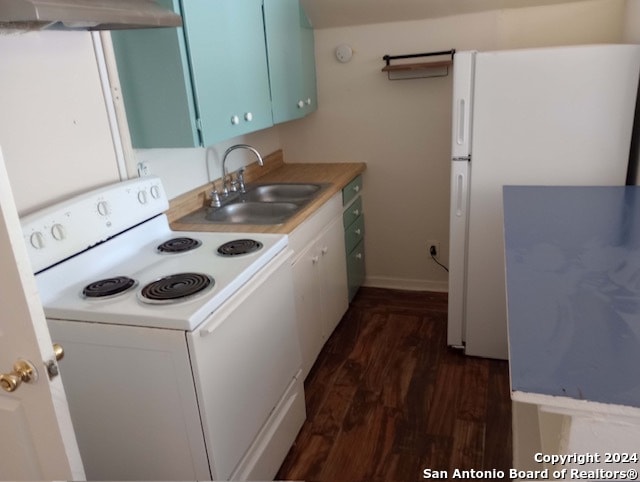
(37, 441)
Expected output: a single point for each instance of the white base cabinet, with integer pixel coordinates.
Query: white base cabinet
(320, 278)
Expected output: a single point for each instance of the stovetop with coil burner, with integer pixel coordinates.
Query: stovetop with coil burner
(176, 290)
(145, 275)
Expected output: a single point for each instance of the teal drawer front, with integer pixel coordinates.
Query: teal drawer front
(355, 269)
(354, 234)
(351, 190)
(352, 212)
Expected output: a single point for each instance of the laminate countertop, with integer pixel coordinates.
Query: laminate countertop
(334, 176)
(573, 292)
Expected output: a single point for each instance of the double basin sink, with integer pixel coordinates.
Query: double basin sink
(260, 204)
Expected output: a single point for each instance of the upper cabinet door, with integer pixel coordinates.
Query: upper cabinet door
(307, 42)
(290, 48)
(155, 79)
(225, 40)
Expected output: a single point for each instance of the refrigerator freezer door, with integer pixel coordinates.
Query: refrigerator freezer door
(462, 104)
(457, 252)
(558, 116)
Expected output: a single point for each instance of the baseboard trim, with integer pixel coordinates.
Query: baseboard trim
(406, 284)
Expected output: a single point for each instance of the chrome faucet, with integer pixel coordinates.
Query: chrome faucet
(225, 191)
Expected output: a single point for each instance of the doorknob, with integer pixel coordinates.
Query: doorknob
(58, 351)
(23, 371)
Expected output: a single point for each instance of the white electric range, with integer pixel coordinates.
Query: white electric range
(181, 351)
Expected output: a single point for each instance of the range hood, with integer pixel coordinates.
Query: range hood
(85, 14)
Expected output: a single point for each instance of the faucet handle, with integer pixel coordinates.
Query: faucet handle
(224, 191)
(240, 180)
(215, 199)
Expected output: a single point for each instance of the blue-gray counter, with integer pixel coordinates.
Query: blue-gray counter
(573, 291)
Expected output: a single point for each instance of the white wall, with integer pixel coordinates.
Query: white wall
(54, 131)
(402, 128)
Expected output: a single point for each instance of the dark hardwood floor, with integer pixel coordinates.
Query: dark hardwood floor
(388, 399)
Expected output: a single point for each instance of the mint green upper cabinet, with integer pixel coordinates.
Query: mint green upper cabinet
(199, 84)
(290, 49)
(154, 73)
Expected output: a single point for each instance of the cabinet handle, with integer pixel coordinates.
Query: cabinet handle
(300, 104)
(248, 117)
(357, 231)
(325, 250)
(356, 212)
(315, 259)
(356, 188)
(235, 120)
(359, 256)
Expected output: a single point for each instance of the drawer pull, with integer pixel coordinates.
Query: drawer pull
(358, 231)
(356, 188)
(356, 212)
(359, 256)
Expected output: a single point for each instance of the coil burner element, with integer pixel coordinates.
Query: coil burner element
(176, 287)
(179, 245)
(239, 246)
(108, 287)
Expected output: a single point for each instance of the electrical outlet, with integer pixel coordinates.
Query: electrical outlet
(143, 169)
(433, 247)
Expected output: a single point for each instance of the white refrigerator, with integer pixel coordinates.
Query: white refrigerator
(549, 116)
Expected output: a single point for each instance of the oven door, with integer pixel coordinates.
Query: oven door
(245, 358)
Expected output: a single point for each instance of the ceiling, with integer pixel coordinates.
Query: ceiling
(339, 13)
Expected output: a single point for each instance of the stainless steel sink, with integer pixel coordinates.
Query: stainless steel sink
(260, 204)
(252, 212)
(285, 192)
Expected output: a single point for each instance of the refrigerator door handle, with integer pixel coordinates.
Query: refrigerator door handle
(460, 128)
(461, 195)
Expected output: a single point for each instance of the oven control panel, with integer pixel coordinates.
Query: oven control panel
(73, 225)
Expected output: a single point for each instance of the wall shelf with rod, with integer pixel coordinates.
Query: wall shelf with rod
(437, 66)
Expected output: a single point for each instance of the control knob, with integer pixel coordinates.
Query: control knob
(37, 240)
(103, 208)
(58, 232)
(142, 197)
